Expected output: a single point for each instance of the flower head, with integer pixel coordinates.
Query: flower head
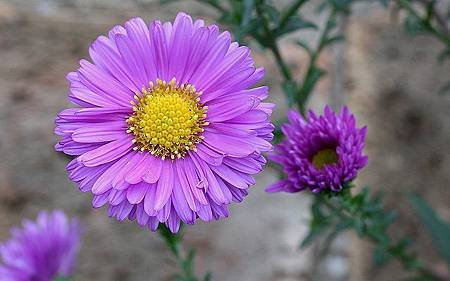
(320, 153)
(42, 250)
(167, 128)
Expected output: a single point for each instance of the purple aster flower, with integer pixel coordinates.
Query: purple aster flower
(167, 127)
(320, 153)
(42, 250)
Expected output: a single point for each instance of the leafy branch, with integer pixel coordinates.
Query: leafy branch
(298, 93)
(424, 17)
(314, 73)
(185, 263)
(261, 21)
(335, 213)
(427, 18)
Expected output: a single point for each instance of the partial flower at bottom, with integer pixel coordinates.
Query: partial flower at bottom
(167, 127)
(42, 250)
(319, 152)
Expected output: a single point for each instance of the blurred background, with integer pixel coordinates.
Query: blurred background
(389, 79)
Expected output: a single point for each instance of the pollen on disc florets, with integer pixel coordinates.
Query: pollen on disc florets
(324, 157)
(167, 119)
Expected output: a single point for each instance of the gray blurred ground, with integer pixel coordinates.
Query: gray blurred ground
(388, 79)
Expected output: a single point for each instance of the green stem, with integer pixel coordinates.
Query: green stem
(426, 23)
(184, 262)
(273, 46)
(281, 63)
(406, 258)
(309, 81)
(292, 10)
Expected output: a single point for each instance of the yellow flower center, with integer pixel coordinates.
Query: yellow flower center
(167, 119)
(325, 157)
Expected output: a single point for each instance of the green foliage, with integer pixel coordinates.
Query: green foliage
(61, 278)
(426, 18)
(263, 22)
(436, 227)
(185, 263)
(294, 23)
(384, 3)
(343, 211)
(333, 213)
(413, 25)
(319, 223)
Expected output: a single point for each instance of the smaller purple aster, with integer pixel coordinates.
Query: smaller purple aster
(42, 250)
(319, 153)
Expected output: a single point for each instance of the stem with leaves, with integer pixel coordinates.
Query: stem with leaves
(272, 44)
(298, 94)
(335, 213)
(425, 17)
(265, 24)
(185, 263)
(440, 30)
(314, 73)
(290, 12)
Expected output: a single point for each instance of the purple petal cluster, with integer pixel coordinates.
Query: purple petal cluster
(41, 250)
(320, 152)
(144, 79)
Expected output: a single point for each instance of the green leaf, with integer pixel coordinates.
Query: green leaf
(342, 6)
(61, 278)
(437, 228)
(305, 46)
(250, 28)
(165, 2)
(248, 6)
(359, 199)
(331, 23)
(343, 225)
(312, 235)
(278, 134)
(334, 39)
(319, 222)
(322, 7)
(359, 227)
(289, 88)
(314, 76)
(188, 263)
(259, 37)
(413, 26)
(208, 277)
(381, 256)
(295, 23)
(272, 13)
(385, 3)
(317, 73)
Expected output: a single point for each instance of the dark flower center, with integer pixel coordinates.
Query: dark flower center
(325, 157)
